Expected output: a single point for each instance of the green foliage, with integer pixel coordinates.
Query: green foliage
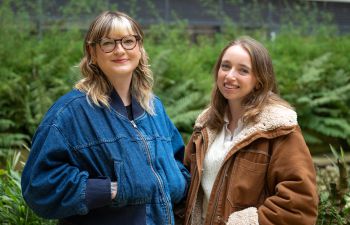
(39, 65)
(85, 7)
(13, 209)
(182, 70)
(334, 190)
(10, 140)
(34, 72)
(39, 60)
(315, 79)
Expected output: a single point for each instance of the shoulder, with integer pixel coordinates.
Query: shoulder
(274, 115)
(157, 102)
(72, 97)
(202, 118)
(158, 105)
(65, 105)
(274, 122)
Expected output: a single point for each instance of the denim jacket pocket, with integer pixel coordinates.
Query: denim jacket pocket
(134, 185)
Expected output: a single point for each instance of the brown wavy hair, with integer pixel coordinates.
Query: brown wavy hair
(265, 93)
(94, 82)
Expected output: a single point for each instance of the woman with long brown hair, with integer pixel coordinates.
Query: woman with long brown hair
(248, 159)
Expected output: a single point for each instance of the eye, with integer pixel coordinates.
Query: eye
(129, 40)
(225, 66)
(107, 42)
(243, 71)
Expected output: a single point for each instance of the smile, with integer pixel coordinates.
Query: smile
(120, 60)
(231, 86)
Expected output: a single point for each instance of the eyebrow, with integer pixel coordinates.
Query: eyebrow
(240, 64)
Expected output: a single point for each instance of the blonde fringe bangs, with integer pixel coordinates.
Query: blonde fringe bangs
(121, 25)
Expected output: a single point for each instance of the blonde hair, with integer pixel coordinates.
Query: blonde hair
(254, 102)
(94, 82)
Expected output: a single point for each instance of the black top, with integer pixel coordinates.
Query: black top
(129, 111)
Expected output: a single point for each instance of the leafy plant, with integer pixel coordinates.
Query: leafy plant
(182, 75)
(13, 209)
(334, 191)
(38, 64)
(9, 140)
(34, 72)
(321, 101)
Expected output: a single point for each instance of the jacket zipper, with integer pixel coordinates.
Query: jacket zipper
(160, 182)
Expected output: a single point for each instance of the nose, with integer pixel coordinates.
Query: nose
(118, 47)
(231, 74)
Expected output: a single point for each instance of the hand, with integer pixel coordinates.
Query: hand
(113, 190)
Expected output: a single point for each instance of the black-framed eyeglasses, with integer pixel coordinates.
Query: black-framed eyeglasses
(128, 42)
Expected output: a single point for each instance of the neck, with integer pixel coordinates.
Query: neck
(122, 87)
(235, 113)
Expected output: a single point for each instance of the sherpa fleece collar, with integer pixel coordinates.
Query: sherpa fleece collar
(271, 118)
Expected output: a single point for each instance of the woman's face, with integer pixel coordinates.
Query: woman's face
(119, 62)
(235, 78)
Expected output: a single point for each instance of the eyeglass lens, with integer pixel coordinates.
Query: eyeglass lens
(127, 42)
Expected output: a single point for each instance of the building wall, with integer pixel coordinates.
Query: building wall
(204, 17)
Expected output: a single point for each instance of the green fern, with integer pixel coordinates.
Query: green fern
(183, 88)
(183, 106)
(322, 101)
(34, 77)
(9, 139)
(184, 112)
(13, 209)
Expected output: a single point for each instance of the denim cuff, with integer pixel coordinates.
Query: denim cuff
(98, 192)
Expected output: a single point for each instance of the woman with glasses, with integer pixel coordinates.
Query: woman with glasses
(247, 156)
(106, 152)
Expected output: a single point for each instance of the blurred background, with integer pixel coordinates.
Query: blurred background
(309, 42)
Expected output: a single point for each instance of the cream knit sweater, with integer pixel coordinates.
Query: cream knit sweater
(214, 158)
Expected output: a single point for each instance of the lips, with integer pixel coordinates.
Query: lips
(231, 86)
(120, 60)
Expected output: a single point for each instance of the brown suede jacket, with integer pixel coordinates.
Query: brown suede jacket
(269, 167)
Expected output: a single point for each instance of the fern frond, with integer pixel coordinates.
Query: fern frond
(6, 124)
(333, 127)
(313, 70)
(187, 118)
(331, 96)
(311, 138)
(9, 140)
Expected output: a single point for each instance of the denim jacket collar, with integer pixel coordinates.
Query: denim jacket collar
(118, 105)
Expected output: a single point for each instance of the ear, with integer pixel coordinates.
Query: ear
(257, 86)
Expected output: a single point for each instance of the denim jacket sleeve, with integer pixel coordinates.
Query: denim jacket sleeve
(52, 184)
(179, 156)
(178, 147)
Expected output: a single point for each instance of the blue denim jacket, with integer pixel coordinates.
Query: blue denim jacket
(79, 149)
